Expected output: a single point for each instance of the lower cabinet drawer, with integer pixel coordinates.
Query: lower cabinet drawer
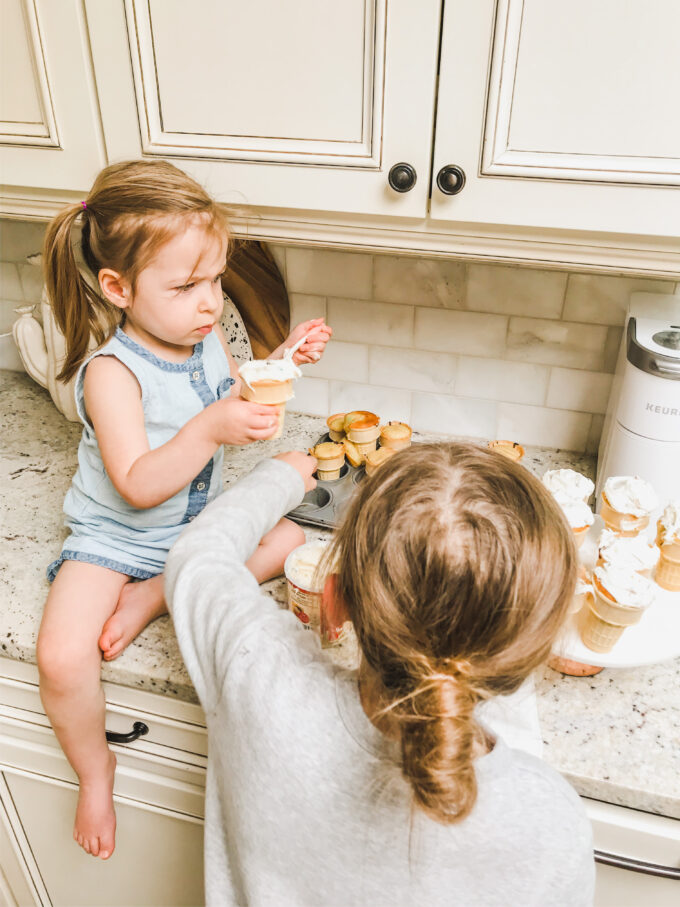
(637, 857)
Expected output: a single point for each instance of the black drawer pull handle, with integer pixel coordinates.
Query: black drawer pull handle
(138, 730)
(650, 869)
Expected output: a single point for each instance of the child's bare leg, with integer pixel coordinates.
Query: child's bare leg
(82, 596)
(139, 603)
(267, 559)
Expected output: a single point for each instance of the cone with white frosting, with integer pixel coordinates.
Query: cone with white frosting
(668, 540)
(627, 552)
(627, 502)
(569, 483)
(620, 598)
(578, 514)
(270, 382)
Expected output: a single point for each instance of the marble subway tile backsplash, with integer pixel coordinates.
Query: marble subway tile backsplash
(479, 350)
(473, 349)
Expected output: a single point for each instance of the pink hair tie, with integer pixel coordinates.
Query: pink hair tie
(83, 204)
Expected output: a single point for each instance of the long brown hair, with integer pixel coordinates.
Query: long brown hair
(132, 209)
(457, 568)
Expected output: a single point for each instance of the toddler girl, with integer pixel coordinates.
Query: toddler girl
(158, 399)
(383, 786)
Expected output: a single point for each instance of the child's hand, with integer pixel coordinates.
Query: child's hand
(303, 463)
(318, 334)
(236, 421)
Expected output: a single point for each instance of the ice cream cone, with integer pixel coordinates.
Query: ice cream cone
(270, 382)
(668, 569)
(623, 524)
(331, 459)
(336, 426)
(602, 622)
(396, 435)
(376, 458)
(365, 447)
(510, 449)
(362, 426)
(580, 535)
(627, 502)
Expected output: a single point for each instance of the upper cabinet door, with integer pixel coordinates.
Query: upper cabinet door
(303, 105)
(50, 137)
(562, 115)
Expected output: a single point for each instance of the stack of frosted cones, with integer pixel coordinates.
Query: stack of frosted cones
(668, 540)
(602, 621)
(331, 459)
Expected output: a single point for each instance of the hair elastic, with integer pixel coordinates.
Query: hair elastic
(84, 204)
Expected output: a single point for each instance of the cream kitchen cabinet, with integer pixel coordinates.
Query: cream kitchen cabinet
(638, 857)
(160, 787)
(531, 130)
(302, 105)
(50, 132)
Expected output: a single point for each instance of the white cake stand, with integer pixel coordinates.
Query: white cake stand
(655, 638)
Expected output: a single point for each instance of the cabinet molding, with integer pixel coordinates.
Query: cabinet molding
(35, 125)
(507, 92)
(169, 109)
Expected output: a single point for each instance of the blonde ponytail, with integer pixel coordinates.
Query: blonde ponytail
(457, 569)
(79, 311)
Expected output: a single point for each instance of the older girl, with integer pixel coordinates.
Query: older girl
(383, 786)
(158, 399)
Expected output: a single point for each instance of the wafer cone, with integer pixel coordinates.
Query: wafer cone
(580, 535)
(673, 546)
(270, 393)
(623, 524)
(330, 460)
(668, 569)
(602, 622)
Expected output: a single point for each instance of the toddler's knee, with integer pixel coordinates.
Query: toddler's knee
(59, 666)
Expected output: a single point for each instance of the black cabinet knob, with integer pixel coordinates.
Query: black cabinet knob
(402, 177)
(451, 179)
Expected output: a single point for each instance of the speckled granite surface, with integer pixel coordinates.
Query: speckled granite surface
(616, 736)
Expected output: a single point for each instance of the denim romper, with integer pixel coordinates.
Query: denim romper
(105, 529)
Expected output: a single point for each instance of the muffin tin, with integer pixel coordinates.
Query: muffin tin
(325, 505)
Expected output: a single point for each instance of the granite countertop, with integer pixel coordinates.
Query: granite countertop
(615, 736)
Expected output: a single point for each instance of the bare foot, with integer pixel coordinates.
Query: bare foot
(95, 824)
(138, 604)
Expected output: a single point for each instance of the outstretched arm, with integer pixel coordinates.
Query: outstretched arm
(146, 477)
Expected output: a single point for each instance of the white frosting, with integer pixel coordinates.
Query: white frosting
(670, 520)
(569, 483)
(630, 494)
(583, 586)
(576, 511)
(301, 564)
(626, 586)
(269, 370)
(634, 552)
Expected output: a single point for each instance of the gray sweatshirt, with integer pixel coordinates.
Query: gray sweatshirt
(305, 802)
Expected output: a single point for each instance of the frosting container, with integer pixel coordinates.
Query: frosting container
(305, 587)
